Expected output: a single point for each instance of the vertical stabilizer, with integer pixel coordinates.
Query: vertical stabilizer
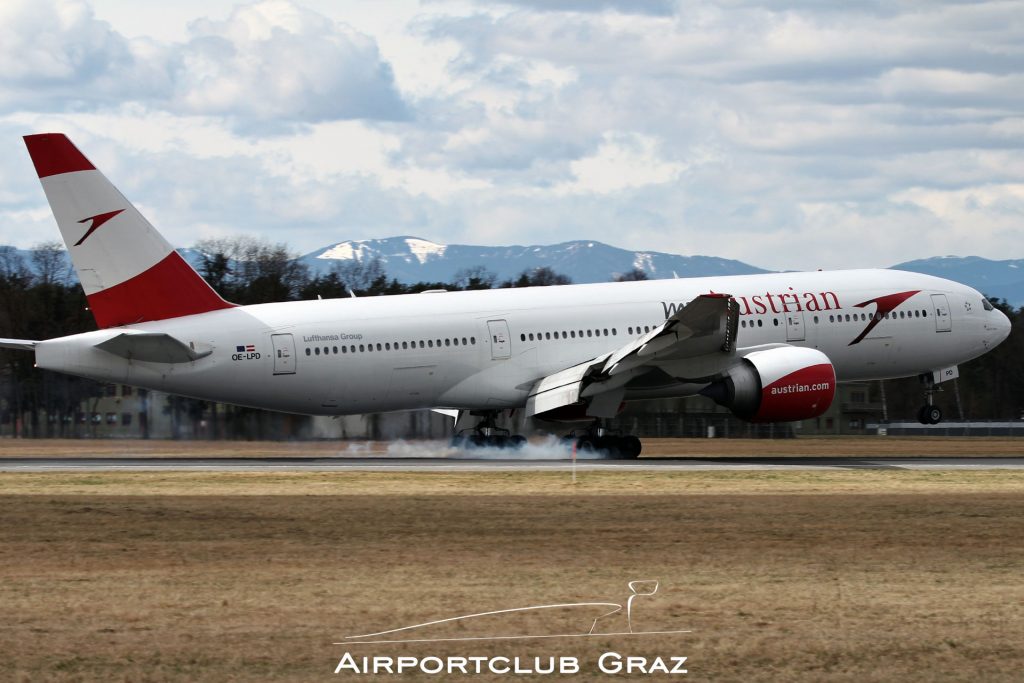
(129, 272)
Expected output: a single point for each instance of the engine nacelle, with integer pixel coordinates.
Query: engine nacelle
(777, 385)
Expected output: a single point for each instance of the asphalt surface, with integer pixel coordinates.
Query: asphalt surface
(466, 464)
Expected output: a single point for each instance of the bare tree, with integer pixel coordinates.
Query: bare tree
(475, 277)
(50, 263)
(634, 275)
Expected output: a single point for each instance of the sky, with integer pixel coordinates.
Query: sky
(793, 135)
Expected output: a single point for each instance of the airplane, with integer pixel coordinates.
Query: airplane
(769, 347)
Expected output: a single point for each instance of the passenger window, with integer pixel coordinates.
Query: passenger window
(308, 352)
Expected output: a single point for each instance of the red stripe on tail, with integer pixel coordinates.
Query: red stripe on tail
(53, 154)
(170, 289)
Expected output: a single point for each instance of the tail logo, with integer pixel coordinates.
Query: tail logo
(97, 220)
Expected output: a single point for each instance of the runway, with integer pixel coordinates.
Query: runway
(400, 464)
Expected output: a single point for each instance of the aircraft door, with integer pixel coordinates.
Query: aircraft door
(501, 342)
(795, 326)
(943, 320)
(284, 354)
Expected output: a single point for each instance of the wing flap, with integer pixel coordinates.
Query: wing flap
(561, 388)
(152, 347)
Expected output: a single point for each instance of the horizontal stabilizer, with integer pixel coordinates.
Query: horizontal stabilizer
(152, 347)
(20, 344)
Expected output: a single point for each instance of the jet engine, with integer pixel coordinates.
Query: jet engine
(777, 385)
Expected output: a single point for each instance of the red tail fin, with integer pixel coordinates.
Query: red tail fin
(130, 273)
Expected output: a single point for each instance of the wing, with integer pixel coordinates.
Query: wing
(698, 341)
(20, 344)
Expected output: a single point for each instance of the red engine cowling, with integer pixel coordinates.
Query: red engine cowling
(777, 385)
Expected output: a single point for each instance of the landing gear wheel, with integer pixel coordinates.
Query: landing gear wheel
(517, 441)
(929, 415)
(585, 444)
(630, 447)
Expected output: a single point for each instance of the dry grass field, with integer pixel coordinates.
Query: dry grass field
(867, 575)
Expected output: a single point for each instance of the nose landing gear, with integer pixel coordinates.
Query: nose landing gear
(929, 414)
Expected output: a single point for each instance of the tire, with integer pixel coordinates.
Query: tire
(630, 447)
(934, 414)
(517, 442)
(922, 415)
(585, 444)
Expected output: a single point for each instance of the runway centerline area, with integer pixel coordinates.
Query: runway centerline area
(466, 464)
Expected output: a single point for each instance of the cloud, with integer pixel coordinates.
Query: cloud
(270, 64)
(623, 161)
(790, 136)
(655, 7)
(275, 61)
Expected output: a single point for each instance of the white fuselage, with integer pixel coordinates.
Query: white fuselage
(485, 349)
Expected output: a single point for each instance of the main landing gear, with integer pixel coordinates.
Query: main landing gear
(487, 434)
(929, 414)
(597, 440)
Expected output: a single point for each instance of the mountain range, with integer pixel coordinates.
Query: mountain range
(411, 259)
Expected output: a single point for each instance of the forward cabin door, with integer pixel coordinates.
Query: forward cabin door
(284, 354)
(943, 320)
(501, 342)
(795, 326)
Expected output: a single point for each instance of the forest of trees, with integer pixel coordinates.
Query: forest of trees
(40, 298)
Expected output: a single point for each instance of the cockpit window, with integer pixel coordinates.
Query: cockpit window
(987, 305)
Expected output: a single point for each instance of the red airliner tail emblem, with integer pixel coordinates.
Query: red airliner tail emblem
(97, 220)
(885, 305)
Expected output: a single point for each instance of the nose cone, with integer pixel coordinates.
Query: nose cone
(1000, 326)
